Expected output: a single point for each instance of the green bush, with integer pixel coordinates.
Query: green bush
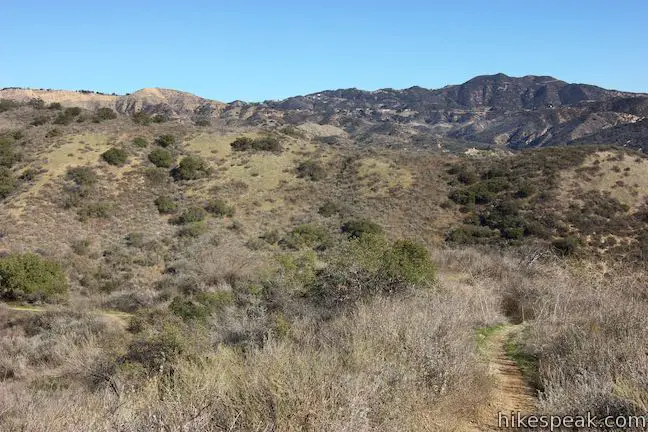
(200, 306)
(8, 155)
(311, 169)
(408, 261)
(36, 103)
(30, 277)
(165, 205)
(140, 117)
(67, 116)
(191, 168)
(192, 214)
(165, 140)
(8, 104)
(72, 112)
(115, 156)
(203, 122)
(40, 120)
(188, 310)
(161, 158)
(55, 106)
(140, 142)
(161, 118)
(156, 176)
(360, 227)
(292, 131)
(307, 235)
(193, 229)
(100, 210)
(82, 176)
(156, 351)
(267, 143)
(242, 144)
(105, 114)
(63, 119)
(219, 207)
(470, 234)
(367, 266)
(7, 182)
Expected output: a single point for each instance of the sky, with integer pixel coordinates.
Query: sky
(259, 50)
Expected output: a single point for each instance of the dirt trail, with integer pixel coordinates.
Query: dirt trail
(511, 391)
(120, 318)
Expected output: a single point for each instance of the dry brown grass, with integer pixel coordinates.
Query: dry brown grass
(387, 366)
(391, 363)
(586, 328)
(623, 175)
(264, 360)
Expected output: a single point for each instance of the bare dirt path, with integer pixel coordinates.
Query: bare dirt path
(120, 318)
(511, 392)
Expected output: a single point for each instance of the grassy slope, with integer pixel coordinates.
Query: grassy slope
(422, 361)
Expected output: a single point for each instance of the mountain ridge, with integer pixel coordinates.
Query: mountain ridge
(500, 110)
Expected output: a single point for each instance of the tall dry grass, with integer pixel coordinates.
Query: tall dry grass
(404, 362)
(587, 331)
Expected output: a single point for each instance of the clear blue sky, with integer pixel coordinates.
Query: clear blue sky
(257, 50)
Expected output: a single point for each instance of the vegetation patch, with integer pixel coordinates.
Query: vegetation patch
(8, 105)
(360, 227)
(192, 214)
(142, 118)
(200, 306)
(105, 114)
(7, 182)
(219, 207)
(115, 156)
(9, 156)
(82, 176)
(192, 229)
(166, 140)
(307, 235)
(30, 277)
(161, 158)
(191, 168)
(264, 143)
(165, 205)
(100, 210)
(328, 209)
(312, 170)
(67, 116)
(527, 362)
(140, 142)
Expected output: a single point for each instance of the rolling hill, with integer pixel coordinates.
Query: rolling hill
(492, 110)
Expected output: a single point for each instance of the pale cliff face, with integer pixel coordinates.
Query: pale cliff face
(177, 102)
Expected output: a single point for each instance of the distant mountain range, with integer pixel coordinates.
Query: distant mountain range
(489, 110)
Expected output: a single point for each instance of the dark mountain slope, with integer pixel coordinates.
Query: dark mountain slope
(499, 110)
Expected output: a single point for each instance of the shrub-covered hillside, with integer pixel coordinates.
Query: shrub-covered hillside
(165, 273)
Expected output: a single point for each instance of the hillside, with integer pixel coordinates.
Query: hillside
(150, 100)
(347, 260)
(492, 110)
